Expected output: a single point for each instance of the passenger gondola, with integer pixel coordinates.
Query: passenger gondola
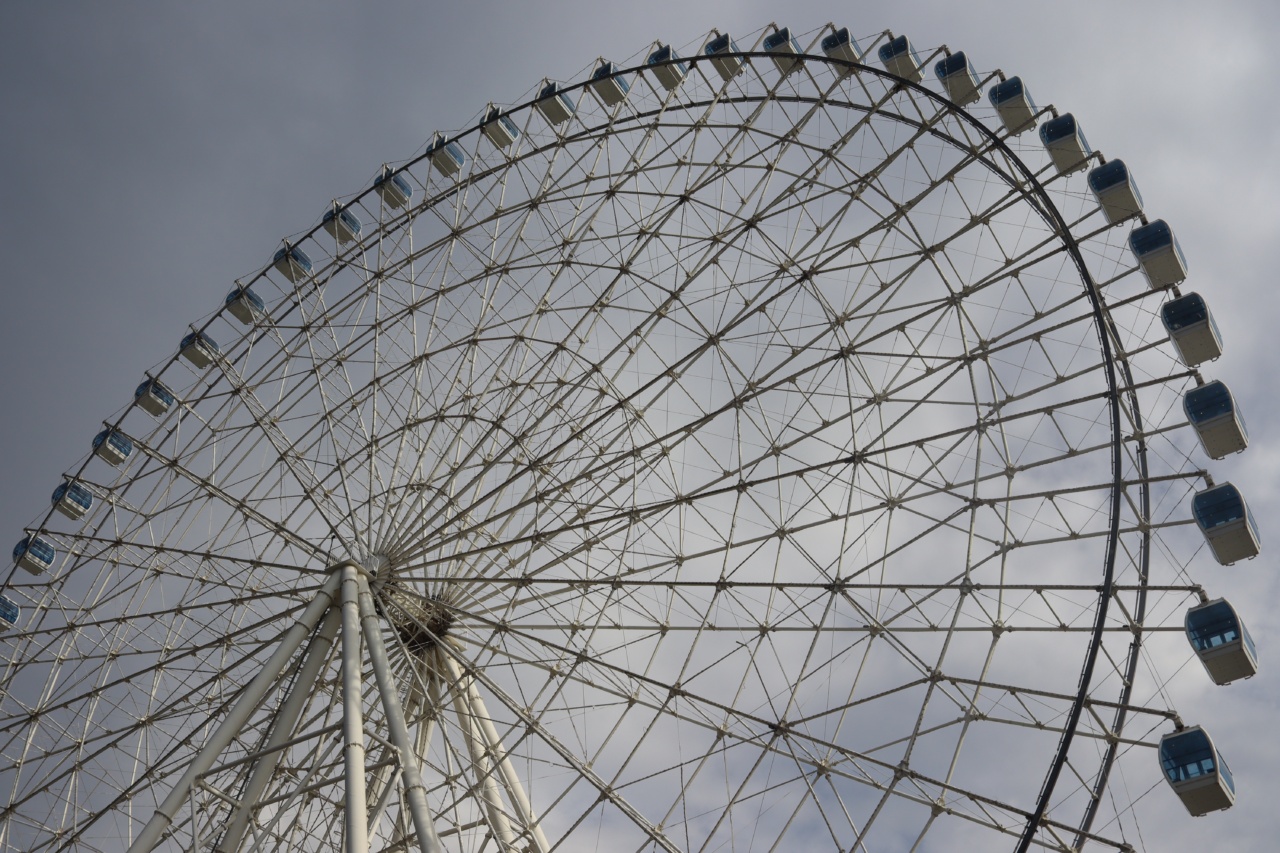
(783, 49)
(72, 499)
(10, 613)
(292, 263)
(1196, 771)
(1228, 527)
(958, 77)
(392, 188)
(1216, 417)
(34, 555)
(841, 45)
(555, 105)
(609, 86)
(1013, 104)
(900, 58)
(154, 397)
(725, 57)
(499, 128)
(1116, 191)
(1192, 329)
(112, 446)
(446, 156)
(199, 349)
(667, 66)
(245, 305)
(1158, 253)
(342, 224)
(1065, 142)
(1221, 641)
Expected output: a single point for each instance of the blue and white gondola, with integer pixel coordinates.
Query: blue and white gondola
(555, 105)
(1192, 329)
(112, 446)
(34, 555)
(1159, 254)
(667, 67)
(1217, 419)
(1013, 104)
(608, 85)
(1065, 142)
(292, 263)
(1220, 639)
(958, 77)
(10, 613)
(900, 58)
(1196, 771)
(392, 188)
(725, 57)
(783, 49)
(446, 156)
(72, 499)
(1116, 191)
(499, 128)
(153, 397)
(343, 225)
(841, 45)
(199, 349)
(1228, 527)
(245, 305)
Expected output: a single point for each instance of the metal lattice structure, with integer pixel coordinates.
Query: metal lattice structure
(785, 461)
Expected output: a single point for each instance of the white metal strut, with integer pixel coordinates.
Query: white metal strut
(147, 839)
(357, 834)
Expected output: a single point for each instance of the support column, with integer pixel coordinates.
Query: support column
(415, 792)
(416, 702)
(479, 714)
(235, 720)
(317, 656)
(357, 816)
(425, 729)
(485, 773)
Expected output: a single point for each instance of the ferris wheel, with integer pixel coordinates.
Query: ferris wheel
(798, 444)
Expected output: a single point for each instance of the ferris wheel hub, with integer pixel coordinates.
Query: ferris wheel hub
(421, 621)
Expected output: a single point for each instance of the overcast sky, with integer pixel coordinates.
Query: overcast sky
(154, 152)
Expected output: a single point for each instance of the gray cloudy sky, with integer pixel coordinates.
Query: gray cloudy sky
(153, 152)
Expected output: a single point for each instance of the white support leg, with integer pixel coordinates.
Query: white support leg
(465, 688)
(357, 816)
(415, 792)
(416, 702)
(425, 729)
(235, 720)
(490, 790)
(281, 730)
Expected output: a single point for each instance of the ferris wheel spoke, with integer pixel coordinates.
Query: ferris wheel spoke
(297, 467)
(207, 488)
(111, 741)
(662, 696)
(332, 384)
(103, 684)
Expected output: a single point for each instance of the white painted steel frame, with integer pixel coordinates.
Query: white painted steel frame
(454, 472)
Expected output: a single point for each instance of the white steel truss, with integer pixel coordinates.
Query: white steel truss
(740, 465)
